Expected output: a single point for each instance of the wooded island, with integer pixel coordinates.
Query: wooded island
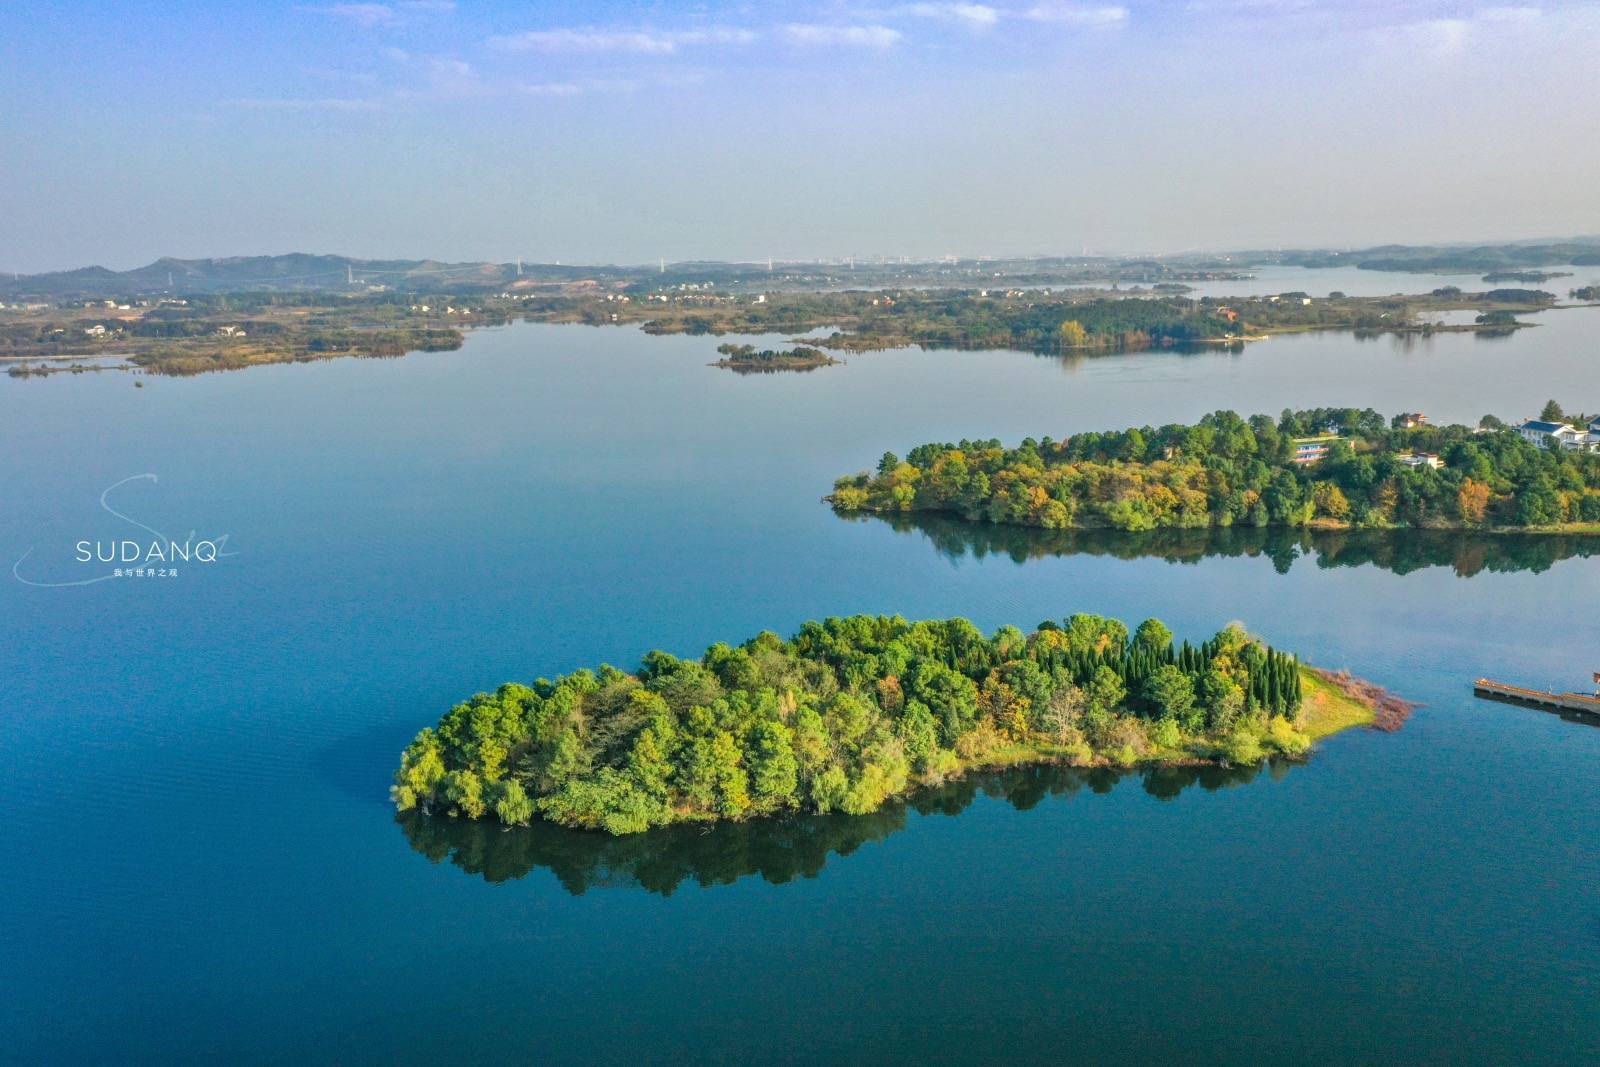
(749, 358)
(1327, 466)
(853, 711)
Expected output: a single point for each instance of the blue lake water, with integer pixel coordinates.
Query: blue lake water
(200, 861)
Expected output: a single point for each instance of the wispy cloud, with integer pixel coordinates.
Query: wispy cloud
(446, 80)
(977, 16)
(985, 16)
(335, 74)
(868, 32)
(426, 79)
(1438, 37)
(1078, 15)
(374, 16)
(658, 42)
(592, 86)
(367, 16)
(1254, 7)
(327, 103)
(813, 34)
(451, 78)
(1443, 38)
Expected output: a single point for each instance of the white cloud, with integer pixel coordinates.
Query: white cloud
(1261, 7)
(367, 16)
(304, 104)
(658, 42)
(1524, 16)
(578, 88)
(358, 77)
(1438, 37)
(374, 16)
(978, 16)
(1443, 38)
(441, 79)
(1077, 15)
(583, 41)
(804, 33)
(452, 77)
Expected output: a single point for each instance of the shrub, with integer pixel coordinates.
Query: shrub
(1283, 736)
(1242, 749)
(513, 807)
(979, 743)
(1165, 733)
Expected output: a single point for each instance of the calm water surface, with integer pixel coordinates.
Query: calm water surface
(200, 861)
(1353, 281)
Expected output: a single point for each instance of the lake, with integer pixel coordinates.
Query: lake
(201, 861)
(1270, 278)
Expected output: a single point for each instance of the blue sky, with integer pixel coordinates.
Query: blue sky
(623, 132)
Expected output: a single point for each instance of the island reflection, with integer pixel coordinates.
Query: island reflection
(779, 850)
(1465, 552)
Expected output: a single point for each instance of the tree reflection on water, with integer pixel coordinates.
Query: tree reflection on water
(779, 850)
(1466, 552)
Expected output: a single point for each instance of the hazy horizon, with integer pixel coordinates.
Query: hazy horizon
(860, 259)
(623, 133)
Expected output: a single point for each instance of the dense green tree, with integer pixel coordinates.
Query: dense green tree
(1153, 635)
(1222, 698)
(1106, 690)
(1539, 505)
(1170, 694)
(954, 695)
(919, 734)
(1225, 471)
(844, 716)
(774, 770)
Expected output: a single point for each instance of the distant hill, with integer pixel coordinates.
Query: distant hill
(301, 271)
(295, 271)
(1457, 259)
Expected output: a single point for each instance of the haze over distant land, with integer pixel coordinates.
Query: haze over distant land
(616, 132)
(170, 276)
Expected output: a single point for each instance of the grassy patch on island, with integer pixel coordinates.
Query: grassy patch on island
(1325, 709)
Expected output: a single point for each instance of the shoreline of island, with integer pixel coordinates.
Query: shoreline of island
(1317, 525)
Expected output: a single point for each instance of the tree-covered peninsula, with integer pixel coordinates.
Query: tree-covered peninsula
(1334, 467)
(853, 711)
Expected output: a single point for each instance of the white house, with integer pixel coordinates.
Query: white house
(1561, 435)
